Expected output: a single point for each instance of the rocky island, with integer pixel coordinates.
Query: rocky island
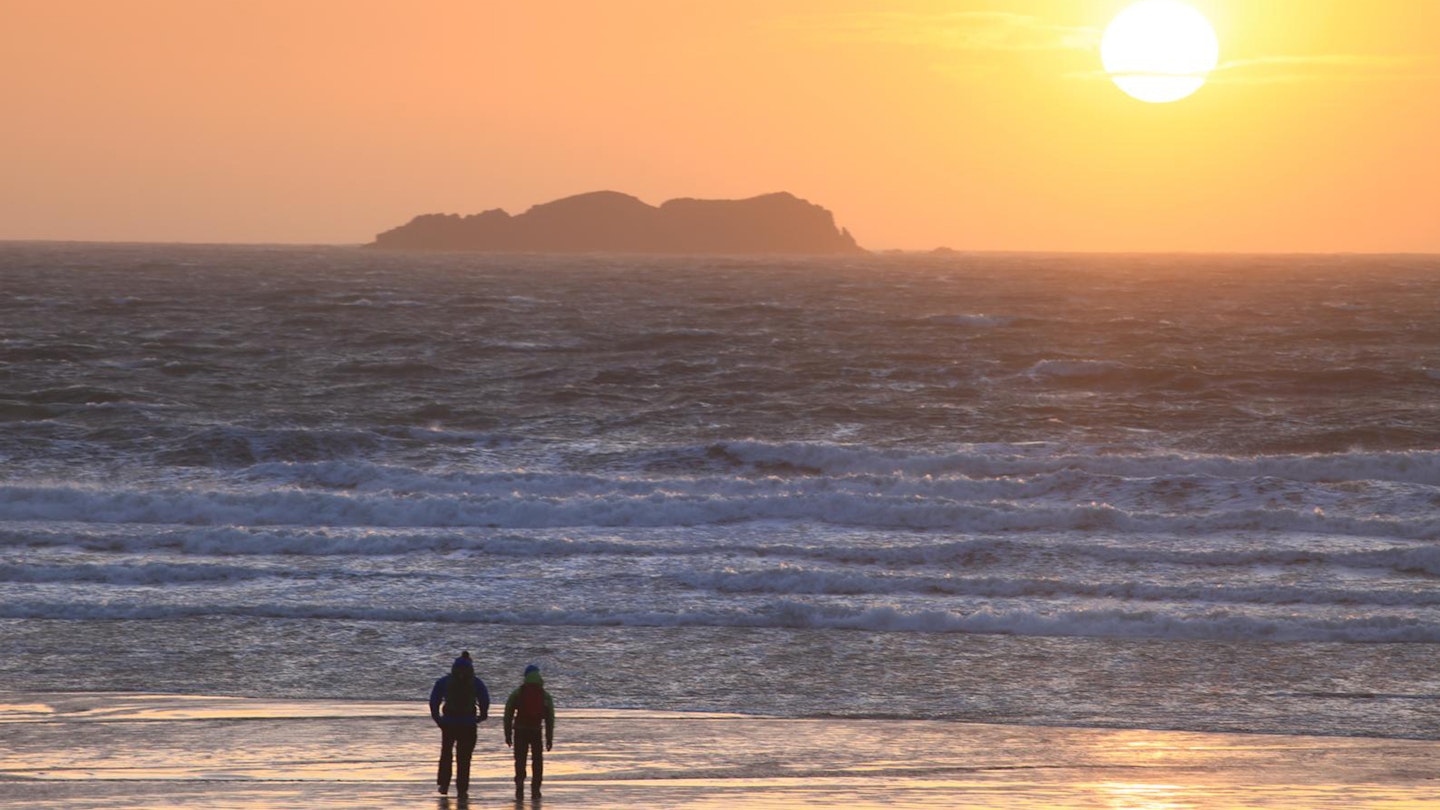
(611, 222)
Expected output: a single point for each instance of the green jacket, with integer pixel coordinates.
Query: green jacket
(512, 704)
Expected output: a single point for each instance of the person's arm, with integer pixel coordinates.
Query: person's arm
(482, 699)
(549, 721)
(509, 718)
(437, 693)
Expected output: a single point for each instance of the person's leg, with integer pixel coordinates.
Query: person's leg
(537, 763)
(442, 776)
(522, 742)
(464, 747)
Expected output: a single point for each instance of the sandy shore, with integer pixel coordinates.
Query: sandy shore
(152, 751)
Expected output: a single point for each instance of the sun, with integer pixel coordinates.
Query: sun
(1159, 50)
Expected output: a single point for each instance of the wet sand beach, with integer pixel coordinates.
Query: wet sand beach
(162, 751)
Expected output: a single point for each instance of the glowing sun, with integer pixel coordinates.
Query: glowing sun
(1159, 50)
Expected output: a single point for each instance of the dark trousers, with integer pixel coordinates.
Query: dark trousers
(533, 740)
(460, 738)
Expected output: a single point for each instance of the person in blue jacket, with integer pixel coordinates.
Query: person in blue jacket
(458, 703)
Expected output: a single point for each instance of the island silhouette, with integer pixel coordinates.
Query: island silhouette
(612, 222)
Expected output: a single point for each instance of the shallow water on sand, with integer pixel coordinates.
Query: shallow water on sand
(1298, 688)
(156, 751)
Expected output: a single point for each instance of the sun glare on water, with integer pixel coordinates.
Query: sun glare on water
(1159, 50)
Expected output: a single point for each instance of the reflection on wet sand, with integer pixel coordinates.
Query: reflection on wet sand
(156, 751)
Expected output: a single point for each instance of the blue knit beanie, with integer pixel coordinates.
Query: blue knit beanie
(531, 668)
(463, 661)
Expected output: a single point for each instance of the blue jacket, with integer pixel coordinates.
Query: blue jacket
(461, 717)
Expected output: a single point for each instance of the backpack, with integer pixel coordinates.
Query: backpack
(460, 694)
(530, 709)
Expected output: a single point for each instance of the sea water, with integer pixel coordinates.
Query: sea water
(1179, 492)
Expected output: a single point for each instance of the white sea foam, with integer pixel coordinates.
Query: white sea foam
(507, 501)
(1070, 369)
(1112, 622)
(1415, 466)
(1194, 551)
(129, 574)
(794, 580)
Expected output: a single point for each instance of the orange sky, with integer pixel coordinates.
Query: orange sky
(974, 124)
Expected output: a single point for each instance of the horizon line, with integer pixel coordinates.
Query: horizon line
(941, 250)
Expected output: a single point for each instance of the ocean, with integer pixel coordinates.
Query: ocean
(1136, 491)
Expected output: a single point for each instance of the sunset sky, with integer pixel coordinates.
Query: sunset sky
(971, 124)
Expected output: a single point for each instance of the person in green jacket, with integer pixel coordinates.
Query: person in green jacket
(528, 709)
